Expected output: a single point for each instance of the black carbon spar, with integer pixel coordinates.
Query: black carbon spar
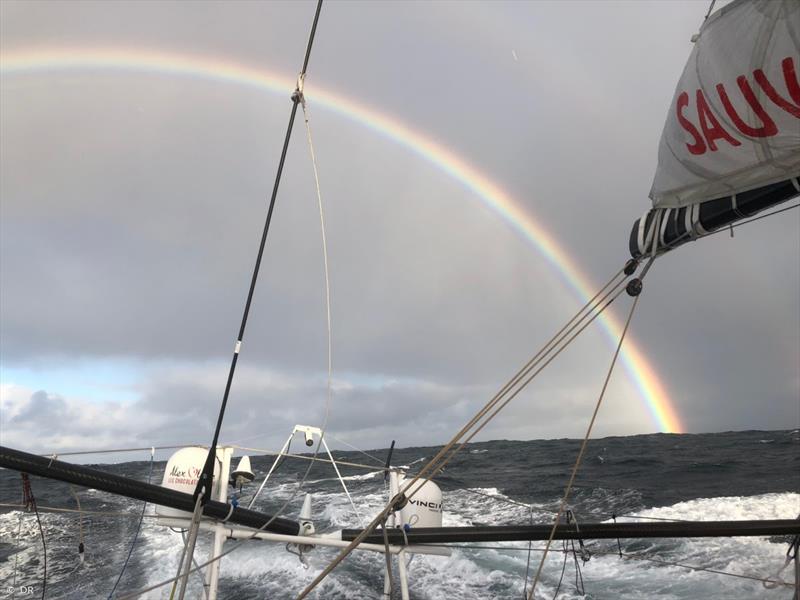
(516, 533)
(139, 490)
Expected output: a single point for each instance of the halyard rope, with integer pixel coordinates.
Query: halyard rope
(437, 462)
(329, 386)
(138, 528)
(582, 449)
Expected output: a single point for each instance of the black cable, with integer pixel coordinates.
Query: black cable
(44, 550)
(563, 570)
(30, 501)
(575, 564)
(582, 589)
(204, 481)
(528, 560)
(135, 535)
(282, 459)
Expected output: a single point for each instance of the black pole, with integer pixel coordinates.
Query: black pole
(139, 490)
(204, 481)
(388, 462)
(587, 531)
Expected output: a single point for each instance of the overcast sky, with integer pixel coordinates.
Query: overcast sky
(131, 205)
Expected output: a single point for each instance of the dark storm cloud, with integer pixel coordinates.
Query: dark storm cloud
(132, 203)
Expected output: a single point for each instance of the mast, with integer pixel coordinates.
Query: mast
(204, 481)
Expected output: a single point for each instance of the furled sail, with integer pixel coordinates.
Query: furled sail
(731, 143)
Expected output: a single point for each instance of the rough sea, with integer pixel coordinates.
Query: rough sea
(738, 475)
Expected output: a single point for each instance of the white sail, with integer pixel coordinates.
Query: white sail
(734, 121)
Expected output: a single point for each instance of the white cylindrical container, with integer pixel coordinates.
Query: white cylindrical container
(181, 474)
(424, 509)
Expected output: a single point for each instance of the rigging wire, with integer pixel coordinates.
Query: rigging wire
(53, 509)
(500, 406)
(303, 457)
(197, 569)
(389, 575)
(627, 556)
(300, 83)
(386, 510)
(30, 503)
(120, 450)
(528, 561)
(563, 569)
(74, 493)
(554, 346)
(325, 261)
(204, 481)
(584, 444)
(670, 563)
(438, 463)
(136, 533)
(365, 453)
(578, 575)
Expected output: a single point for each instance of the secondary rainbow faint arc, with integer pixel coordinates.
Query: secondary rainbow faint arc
(59, 59)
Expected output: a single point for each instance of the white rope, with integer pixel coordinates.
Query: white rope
(197, 568)
(367, 454)
(327, 286)
(120, 450)
(324, 246)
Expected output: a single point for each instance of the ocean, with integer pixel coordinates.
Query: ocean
(733, 475)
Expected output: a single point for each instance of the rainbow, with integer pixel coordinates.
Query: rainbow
(45, 60)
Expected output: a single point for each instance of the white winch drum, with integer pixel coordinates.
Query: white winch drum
(424, 509)
(181, 474)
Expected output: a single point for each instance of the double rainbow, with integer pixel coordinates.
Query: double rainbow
(44, 60)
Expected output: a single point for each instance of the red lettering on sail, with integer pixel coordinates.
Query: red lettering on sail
(712, 129)
(699, 146)
(790, 77)
(768, 127)
(792, 85)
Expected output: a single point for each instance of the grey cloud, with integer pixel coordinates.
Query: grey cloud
(179, 405)
(132, 204)
(43, 409)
